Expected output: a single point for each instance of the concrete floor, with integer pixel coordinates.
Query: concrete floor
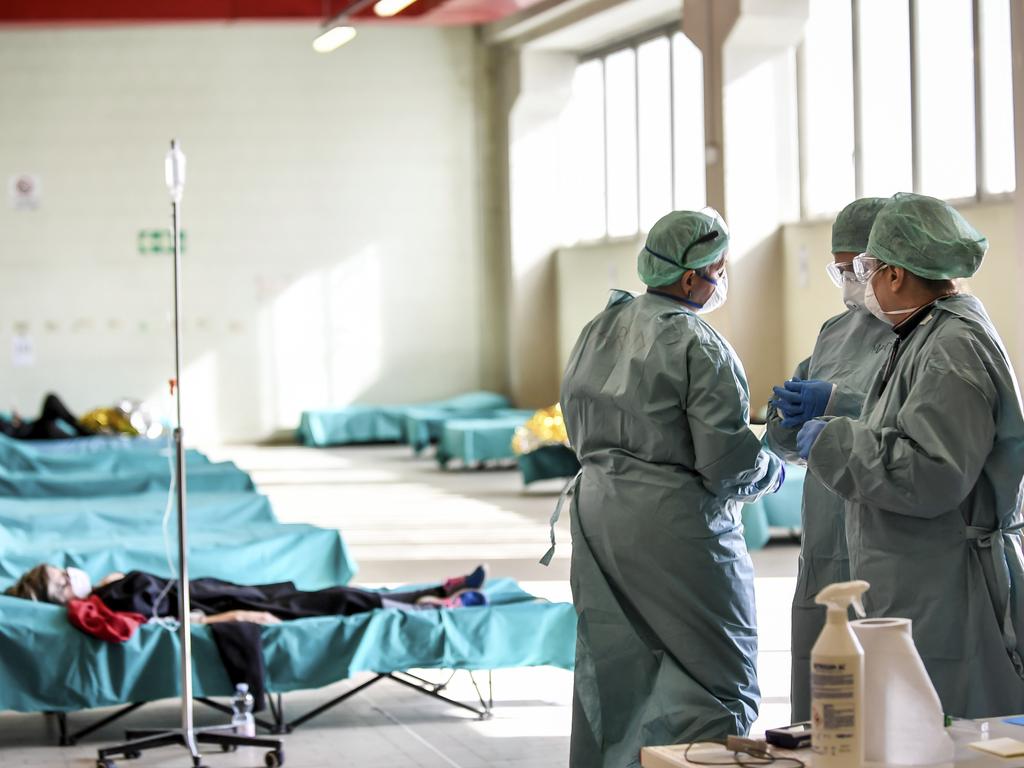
(405, 520)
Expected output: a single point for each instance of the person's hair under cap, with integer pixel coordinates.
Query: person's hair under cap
(853, 225)
(680, 241)
(927, 237)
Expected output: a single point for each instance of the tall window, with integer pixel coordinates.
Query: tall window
(688, 122)
(896, 81)
(996, 97)
(654, 98)
(828, 119)
(945, 98)
(636, 136)
(620, 121)
(885, 113)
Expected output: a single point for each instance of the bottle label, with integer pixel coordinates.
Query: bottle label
(833, 707)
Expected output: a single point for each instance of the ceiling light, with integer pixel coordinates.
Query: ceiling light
(391, 7)
(333, 38)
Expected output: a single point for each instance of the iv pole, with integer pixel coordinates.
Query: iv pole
(187, 735)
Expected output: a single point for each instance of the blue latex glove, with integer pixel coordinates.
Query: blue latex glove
(800, 401)
(807, 435)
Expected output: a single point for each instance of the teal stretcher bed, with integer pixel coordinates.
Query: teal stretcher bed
(384, 423)
(220, 476)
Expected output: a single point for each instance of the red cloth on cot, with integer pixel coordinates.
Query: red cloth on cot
(94, 618)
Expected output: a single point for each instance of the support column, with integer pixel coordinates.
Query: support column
(750, 119)
(537, 87)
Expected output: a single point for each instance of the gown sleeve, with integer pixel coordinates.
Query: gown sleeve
(729, 457)
(929, 460)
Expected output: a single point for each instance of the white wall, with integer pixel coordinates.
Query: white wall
(332, 211)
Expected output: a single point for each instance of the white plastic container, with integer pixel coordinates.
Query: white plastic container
(837, 681)
(903, 720)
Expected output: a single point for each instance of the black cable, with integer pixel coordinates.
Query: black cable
(739, 758)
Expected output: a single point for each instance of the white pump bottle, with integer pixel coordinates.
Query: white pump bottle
(837, 681)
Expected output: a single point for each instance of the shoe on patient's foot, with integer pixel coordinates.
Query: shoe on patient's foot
(467, 598)
(474, 581)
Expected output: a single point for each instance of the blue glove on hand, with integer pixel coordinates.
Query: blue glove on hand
(800, 401)
(807, 435)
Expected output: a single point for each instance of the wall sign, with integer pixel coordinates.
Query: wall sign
(24, 190)
(158, 242)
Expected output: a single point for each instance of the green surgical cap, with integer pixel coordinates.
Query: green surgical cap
(927, 237)
(853, 225)
(676, 235)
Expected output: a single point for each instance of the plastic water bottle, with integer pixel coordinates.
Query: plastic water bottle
(241, 711)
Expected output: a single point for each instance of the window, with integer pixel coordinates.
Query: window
(654, 99)
(945, 97)
(828, 121)
(620, 122)
(885, 122)
(584, 130)
(635, 136)
(688, 123)
(996, 97)
(917, 125)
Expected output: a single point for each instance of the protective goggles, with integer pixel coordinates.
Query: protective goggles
(841, 272)
(865, 266)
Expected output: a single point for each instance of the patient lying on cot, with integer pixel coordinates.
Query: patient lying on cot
(215, 601)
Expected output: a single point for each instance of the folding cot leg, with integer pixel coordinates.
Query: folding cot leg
(280, 724)
(67, 740)
(333, 703)
(484, 713)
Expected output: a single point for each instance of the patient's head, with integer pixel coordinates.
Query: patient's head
(44, 584)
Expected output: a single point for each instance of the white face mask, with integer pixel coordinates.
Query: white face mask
(81, 584)
(871, 305)
(853, 295)
(718, 298)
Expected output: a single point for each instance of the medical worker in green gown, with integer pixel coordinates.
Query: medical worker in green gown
(833, 381)
(656, 406)
(932, 470)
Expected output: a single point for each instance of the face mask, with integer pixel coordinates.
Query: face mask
(81, 585)
(717, 299)
(853, 294)
(871, 304)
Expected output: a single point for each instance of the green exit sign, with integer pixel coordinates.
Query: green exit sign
(158, 242)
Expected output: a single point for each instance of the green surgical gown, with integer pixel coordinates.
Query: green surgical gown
(851, 348)
(932, 474)
(656, 407)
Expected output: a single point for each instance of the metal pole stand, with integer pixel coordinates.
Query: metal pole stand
(187, 735)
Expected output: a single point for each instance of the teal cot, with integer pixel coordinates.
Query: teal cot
(358, 424)
(233, 536)
(26, 457)
(219, 476)
(81, 672)
(476, 441)
(780, 510)
(548, 463)
(311, 557)
(114, 515)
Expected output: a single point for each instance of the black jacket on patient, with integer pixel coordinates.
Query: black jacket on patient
(238, 643)
(142, 592)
